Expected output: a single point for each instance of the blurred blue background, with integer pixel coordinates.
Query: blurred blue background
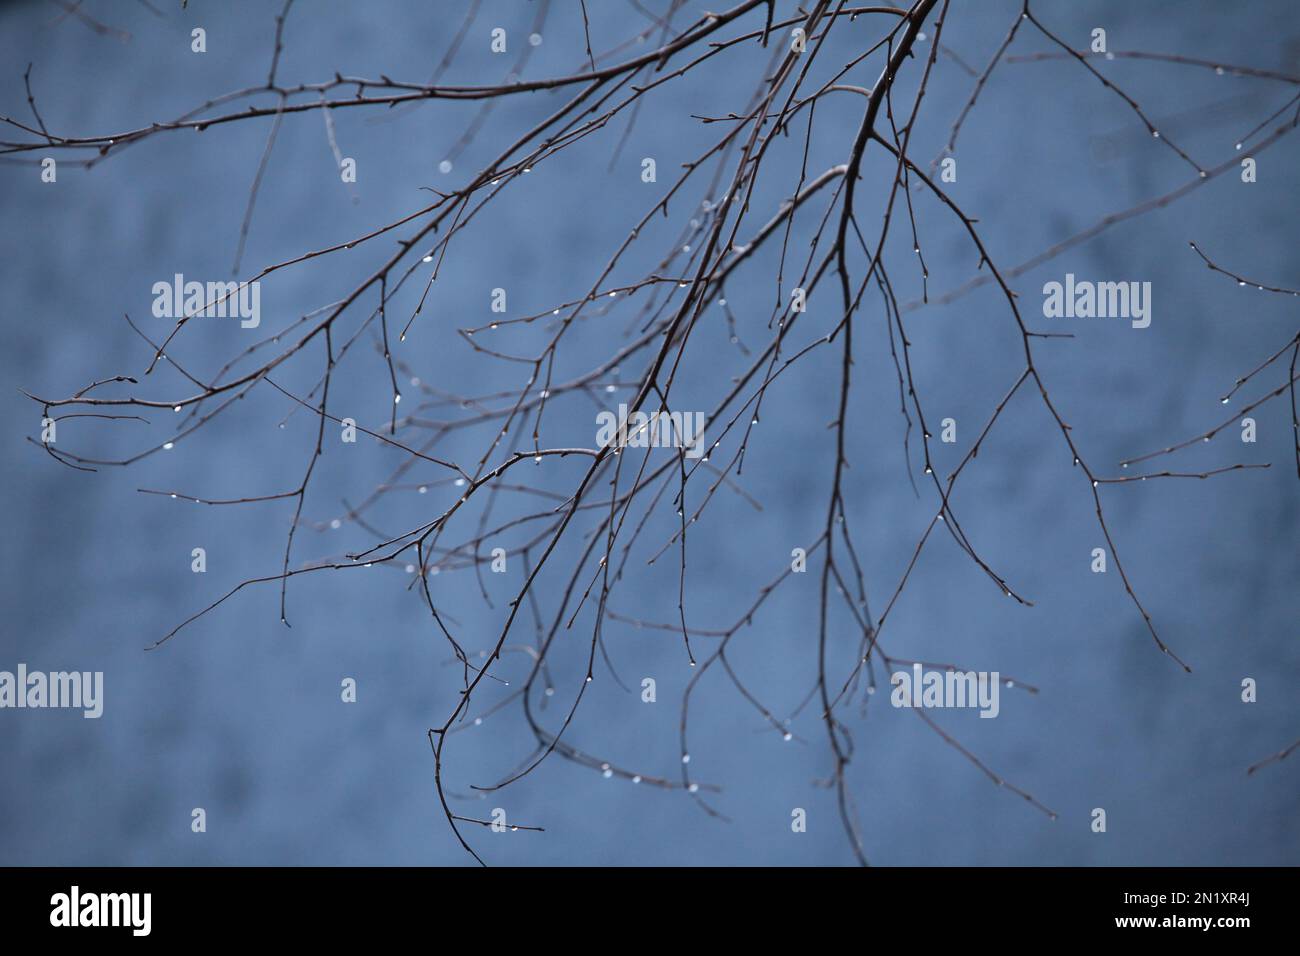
(243, 717)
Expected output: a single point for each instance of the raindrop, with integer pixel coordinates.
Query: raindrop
(444, 166)
(168, 446)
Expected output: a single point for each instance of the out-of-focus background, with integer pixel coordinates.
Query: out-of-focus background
(242, 717)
